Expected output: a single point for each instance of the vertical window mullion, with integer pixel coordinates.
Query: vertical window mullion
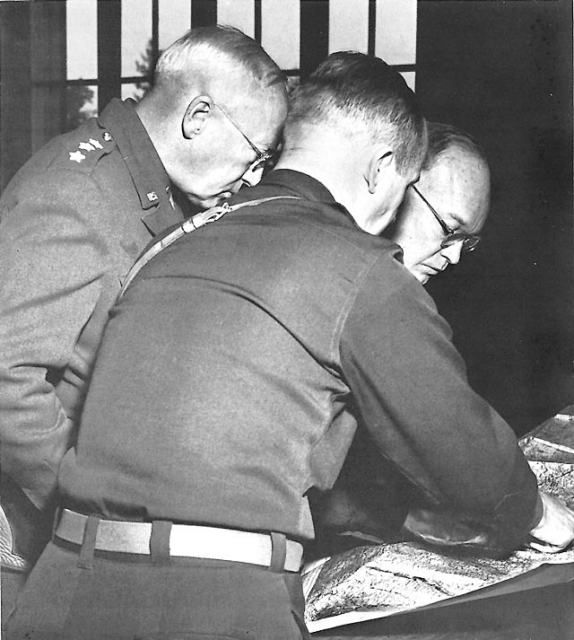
(154, 33)
(48, 58)
(109, 51)
(257, 21)
(314, 34)
(372, 26)
(203, 13)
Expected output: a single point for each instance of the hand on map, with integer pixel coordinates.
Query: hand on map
(447, 529)
(555, 531)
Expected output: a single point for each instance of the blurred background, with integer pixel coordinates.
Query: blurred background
(500, 69)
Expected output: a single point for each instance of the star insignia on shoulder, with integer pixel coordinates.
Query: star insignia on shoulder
(86, 146)
(77, 156)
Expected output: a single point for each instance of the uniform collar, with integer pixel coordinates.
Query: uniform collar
(300, 183)
(150, 179)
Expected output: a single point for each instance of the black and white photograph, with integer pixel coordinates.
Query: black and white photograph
(286, 319)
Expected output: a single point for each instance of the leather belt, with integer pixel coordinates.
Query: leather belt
(185, 541)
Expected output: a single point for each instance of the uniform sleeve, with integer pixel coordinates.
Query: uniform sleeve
(411, 389)
(51, 265)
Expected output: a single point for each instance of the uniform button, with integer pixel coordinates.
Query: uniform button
(107, 136)
(151, 196)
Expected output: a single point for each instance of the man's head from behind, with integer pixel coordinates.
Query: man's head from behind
(216, 108)
(355, 117)
(441, 215)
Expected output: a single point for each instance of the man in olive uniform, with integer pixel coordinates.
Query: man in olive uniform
(74, 219)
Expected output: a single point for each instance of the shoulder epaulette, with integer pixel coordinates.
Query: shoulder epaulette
(85, 147)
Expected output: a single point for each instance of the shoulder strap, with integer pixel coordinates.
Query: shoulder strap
(191, 224)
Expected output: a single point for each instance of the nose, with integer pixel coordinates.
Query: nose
(252, 176)
(452, 253)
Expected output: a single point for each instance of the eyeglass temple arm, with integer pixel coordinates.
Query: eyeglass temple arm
(448, 231)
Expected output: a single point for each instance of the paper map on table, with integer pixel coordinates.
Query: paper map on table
(378, 581)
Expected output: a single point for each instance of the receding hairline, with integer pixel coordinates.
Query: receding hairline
(443, 138)
(457, 157)
(454, 162)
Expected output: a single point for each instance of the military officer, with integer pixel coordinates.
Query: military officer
(230, 379)
(369, 501)
(441, 215)
(77, 215)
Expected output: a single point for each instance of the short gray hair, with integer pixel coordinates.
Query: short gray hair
(216, 42)
(361, 93)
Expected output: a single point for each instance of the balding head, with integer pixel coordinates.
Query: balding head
(218, 100)
(455, 182)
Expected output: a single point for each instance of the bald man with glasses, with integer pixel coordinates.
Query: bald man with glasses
(370, 499)
(442, 214)
(437, 222)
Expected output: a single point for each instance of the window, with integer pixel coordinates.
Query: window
(113, 45)
(66, 59)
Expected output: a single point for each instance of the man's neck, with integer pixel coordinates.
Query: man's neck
(336, 178)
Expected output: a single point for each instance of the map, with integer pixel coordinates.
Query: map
(379, 580)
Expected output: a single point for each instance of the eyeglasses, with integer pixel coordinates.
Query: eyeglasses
(469, 240)
(262, 156)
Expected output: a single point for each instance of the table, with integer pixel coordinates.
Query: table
(535, 613)
(536, 606)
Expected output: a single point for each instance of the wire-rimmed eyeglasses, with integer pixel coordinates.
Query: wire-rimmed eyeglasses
(469, 240)
(262, 156)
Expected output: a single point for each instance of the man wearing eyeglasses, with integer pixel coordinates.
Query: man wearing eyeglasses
(442, 213)
(437, 222)
(75, 218)
(229, 383)
(455, 177)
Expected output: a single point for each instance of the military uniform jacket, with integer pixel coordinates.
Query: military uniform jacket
(233, 371)
(72, 221)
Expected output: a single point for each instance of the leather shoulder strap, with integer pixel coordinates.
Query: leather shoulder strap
(191, 224)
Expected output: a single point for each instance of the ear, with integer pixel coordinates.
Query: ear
(195, 116)
(381, 158)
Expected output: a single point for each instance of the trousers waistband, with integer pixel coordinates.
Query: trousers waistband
(185, 541)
